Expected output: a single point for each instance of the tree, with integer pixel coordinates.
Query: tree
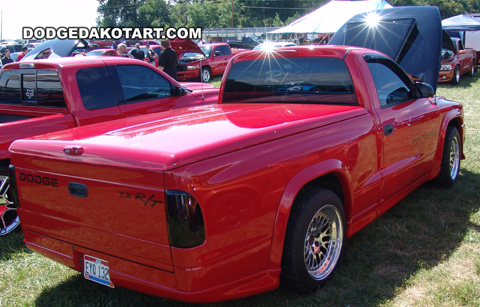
(119, 13)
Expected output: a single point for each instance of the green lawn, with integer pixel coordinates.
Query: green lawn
(425, 251)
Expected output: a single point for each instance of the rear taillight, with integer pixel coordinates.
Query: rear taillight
(185, 220)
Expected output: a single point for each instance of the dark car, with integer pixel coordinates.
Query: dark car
(13, 48)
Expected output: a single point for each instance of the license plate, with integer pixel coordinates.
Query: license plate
(97, 270)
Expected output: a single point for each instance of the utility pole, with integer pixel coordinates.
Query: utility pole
(233, 1)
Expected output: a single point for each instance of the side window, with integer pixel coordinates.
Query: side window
(226, 50)
(142, 83)
(10, 87)
(49, 89)
(218, 51)
(95, 88)
(391, 89)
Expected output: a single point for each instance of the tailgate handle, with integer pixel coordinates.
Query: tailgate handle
(77, 189)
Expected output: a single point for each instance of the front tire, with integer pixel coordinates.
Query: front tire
(314, 240)
(205, 74)
(456, 75)
(450, 166)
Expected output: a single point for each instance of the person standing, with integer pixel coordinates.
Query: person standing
(122, 51)
(137, 53)
(151, 54)
(22, 53)
(6, 58)
(168, 60)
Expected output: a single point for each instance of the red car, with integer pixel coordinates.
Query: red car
(204, 61)
(103, 52)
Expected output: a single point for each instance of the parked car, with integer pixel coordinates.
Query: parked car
(306, 146)
(273, 45)
(59, 48)
(43, 96)
(12, 47)
(102, 52)
(204, 61)
(456, 60)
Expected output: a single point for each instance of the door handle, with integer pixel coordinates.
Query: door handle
(388, 129)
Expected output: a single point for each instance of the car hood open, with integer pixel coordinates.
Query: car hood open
(59, 47)
(412, 36)
(182, 46)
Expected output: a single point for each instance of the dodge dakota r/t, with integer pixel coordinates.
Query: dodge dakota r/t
(306, 146)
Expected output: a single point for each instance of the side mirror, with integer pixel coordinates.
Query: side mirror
(180, 91)
(216, 53)
(423, 90)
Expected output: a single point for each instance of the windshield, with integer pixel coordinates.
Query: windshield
(207, 50)
(290, 80)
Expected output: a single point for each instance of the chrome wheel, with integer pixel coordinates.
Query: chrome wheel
(9, 220)
(456, 75)
(313, 241)
(206, 74)
(454, 157)
(323, 242)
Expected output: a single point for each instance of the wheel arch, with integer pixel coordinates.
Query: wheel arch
(452, 119)
(328, 174)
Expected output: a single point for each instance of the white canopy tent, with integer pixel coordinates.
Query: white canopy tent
(331, 16)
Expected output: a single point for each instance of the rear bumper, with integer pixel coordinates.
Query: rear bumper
(153, 281)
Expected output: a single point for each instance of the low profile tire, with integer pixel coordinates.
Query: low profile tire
(9, 221)
(450, 166)
(314, 240)
(205, 74)
(456, 75)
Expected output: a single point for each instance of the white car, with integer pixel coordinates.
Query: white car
(273, 45)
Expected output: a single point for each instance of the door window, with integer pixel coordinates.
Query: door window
(391, 88)
(141, 83)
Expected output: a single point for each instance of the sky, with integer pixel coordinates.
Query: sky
(16, 14)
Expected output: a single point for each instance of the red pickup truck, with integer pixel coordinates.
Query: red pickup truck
(49, 95)
(307, 146)
(204, 61)
(456, 60)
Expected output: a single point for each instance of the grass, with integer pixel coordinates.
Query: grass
(425, 251)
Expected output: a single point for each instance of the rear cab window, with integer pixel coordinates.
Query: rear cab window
(31, 87)
(321, 80)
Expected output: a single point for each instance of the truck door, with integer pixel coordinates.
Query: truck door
(97, 102)
(409, 128)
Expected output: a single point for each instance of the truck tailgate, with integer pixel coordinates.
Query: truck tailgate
(101, 213)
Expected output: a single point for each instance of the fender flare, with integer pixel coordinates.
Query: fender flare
(291, 191)
(451, 116)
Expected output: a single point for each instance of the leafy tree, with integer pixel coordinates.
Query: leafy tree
(236, 13)
(119, 13)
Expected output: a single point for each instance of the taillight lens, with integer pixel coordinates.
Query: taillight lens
(185, 220)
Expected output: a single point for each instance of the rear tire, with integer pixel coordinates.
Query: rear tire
(313, 241)
(472, 69)
(9, 221)
(450, 166)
